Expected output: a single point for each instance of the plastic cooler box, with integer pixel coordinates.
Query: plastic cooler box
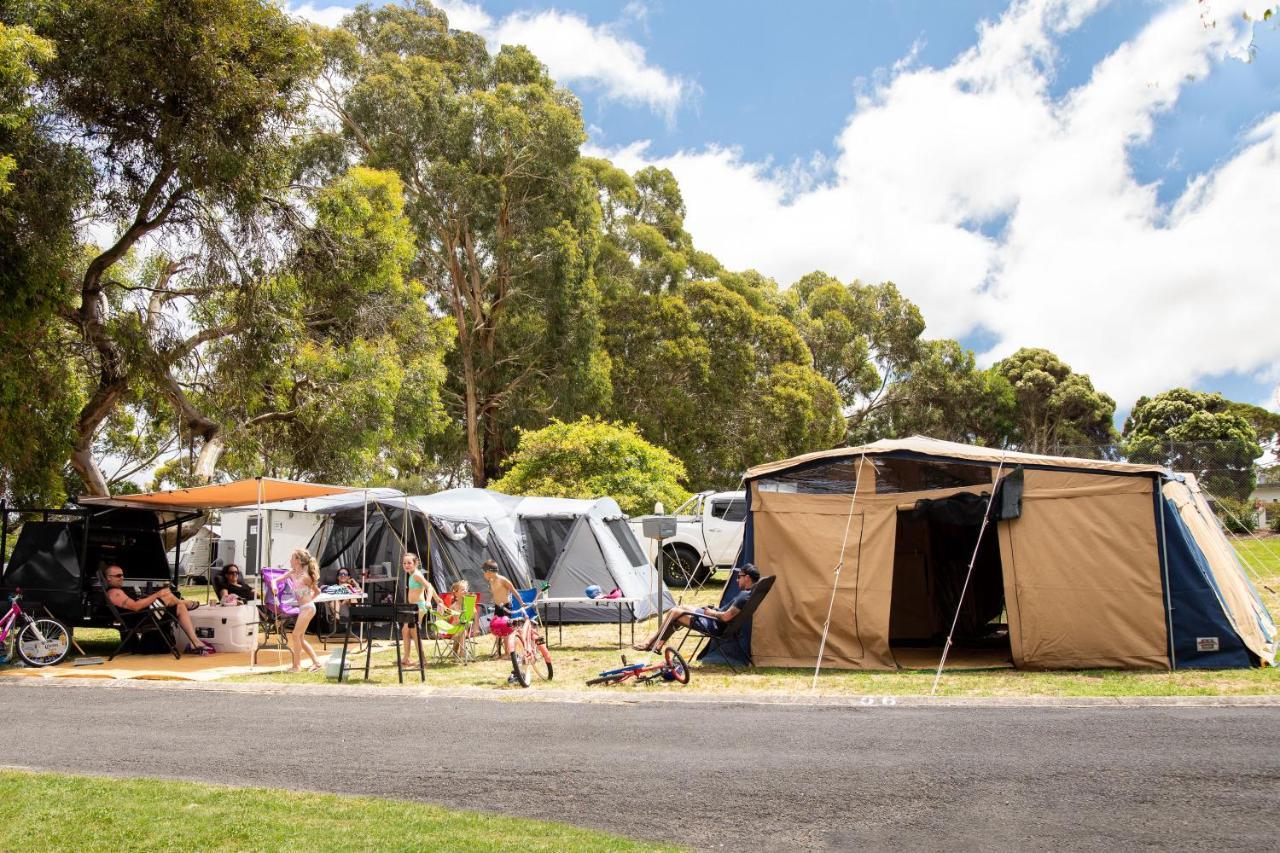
(227, 629)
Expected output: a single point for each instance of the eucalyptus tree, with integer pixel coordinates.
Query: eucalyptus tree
(1054, 405)
(181, 111)
(504, 211)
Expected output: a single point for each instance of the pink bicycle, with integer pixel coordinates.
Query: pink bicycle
(40, 642)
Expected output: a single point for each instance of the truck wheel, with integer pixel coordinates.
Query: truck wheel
(681, 566)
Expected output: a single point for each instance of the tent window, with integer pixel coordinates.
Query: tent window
(627, 540)
(918, 475)
(544, 538)
(734, 509)
(835, 477)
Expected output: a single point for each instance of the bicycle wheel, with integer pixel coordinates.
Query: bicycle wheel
(519, 668)
(43, 642)
(542, 659)
(676, 666)
(604, 679)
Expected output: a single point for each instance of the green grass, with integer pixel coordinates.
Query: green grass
(52, 811)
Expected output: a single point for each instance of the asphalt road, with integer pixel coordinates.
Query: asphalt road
(727, 776)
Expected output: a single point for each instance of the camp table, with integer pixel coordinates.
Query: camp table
(629, 603)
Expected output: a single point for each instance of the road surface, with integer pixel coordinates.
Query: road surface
(708, 776)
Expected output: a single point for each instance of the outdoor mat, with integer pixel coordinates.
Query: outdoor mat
(927, 658)
(162, 667)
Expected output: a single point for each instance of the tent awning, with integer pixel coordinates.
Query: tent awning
(221, 495)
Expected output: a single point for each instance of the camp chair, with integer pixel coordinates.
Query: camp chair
(447, 633)
(521, 605)
(731, 636)
(276, 612)
(136, 624)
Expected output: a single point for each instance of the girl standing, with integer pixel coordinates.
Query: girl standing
(420, 592)
(304, 577)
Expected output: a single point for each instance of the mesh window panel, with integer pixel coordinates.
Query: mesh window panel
(627, 539)
(544, 539)
(892, 476)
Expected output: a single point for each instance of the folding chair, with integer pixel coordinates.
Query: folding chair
(731, 636)
(136, 624)
(456, 640)
(276, 612)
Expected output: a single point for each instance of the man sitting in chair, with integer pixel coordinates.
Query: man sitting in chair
(114, 576)
(708, 620)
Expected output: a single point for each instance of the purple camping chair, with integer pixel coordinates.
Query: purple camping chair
(277, 611)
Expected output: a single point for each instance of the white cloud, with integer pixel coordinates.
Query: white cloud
(329, 15)
(1089, 263)
(575, 52)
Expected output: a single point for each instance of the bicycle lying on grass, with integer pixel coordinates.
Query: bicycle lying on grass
(40, 642)
(671, 668)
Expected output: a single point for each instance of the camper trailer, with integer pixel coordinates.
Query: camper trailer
(1022, 560)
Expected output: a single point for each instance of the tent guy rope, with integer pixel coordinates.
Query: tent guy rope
(835, 583)
(955, 620)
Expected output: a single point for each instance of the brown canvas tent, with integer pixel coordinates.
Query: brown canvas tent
(1094, 564)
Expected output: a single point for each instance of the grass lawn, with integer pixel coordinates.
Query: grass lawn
(588, 649)
(53, 811)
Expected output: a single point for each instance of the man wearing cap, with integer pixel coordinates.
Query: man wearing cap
(708, 620)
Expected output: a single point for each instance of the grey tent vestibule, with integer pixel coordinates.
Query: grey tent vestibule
(569, 544)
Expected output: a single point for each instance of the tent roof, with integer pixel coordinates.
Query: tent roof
(926, 446)
(221, 495)
(330, 503)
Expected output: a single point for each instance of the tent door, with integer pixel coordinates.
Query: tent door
(932, 550)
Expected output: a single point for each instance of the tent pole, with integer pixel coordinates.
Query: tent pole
(258, 542)
(1164, 565)
(986, 518)
(835, 583)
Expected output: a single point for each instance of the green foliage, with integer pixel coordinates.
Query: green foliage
(943, 395)
(1235, 514)
(590, 458)
(504, 213)
(1198, 432)
(1054, 405)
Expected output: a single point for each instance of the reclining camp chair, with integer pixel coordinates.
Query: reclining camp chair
(730, 637)
(134, 625)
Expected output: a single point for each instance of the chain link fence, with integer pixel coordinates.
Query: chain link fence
(1244, 491)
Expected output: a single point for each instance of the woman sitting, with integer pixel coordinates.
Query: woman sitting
(227, 582)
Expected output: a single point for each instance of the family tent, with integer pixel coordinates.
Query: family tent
(1081, 563)
(568, 544)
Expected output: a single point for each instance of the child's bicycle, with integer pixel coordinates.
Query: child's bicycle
(40, 642)
(529, 652)
(671, 668)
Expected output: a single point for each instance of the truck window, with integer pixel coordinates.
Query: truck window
(730, 510)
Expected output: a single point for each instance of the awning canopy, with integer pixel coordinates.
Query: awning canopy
(221, 495)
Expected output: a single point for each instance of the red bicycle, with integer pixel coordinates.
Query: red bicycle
(671, 668)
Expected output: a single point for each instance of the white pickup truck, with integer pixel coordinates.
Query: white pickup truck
(708, 536)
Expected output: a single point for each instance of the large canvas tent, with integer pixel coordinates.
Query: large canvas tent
(569, 544)
(1084, 563)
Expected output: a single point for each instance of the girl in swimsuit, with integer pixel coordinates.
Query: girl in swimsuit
(304, 577)
(420, 592)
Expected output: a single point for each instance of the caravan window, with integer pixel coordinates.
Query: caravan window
(622, 532)
(543, 540)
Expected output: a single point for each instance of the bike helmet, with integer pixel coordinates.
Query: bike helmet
(594, 591)
(500, 626)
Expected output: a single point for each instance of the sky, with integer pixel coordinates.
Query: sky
(1101, 179)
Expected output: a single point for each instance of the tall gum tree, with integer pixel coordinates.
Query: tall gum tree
(181, 113)
(504, 211)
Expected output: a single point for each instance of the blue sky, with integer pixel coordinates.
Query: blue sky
(1095, 177)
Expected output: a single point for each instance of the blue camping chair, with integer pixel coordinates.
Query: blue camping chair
(525, 606)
